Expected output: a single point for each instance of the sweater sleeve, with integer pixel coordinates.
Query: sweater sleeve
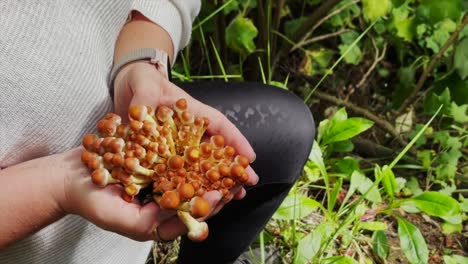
(174, 16)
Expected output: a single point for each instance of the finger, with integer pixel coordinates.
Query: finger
(219, 124)
(240, 194)
(145, 92)
(130, 219)
(171, 229)
(253, 177)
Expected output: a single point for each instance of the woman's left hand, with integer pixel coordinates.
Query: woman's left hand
(140, 83)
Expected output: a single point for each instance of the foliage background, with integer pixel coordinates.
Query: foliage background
(382, 186)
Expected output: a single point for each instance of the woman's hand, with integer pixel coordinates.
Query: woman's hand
(140, 83)
(104, 206)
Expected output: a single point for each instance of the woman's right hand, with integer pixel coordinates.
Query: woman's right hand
(104, 206)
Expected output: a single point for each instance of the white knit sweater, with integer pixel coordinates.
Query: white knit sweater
(55, 58)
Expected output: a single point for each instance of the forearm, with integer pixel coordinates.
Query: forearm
(31, 196)
(142, 33)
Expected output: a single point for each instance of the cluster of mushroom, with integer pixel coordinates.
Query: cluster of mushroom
(166, 149)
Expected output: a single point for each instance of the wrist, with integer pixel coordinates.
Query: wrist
(68, 171)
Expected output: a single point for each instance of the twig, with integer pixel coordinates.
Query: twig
(431, 66)
(378, 58)
(383, 124)
(319, 38)
(320, 22)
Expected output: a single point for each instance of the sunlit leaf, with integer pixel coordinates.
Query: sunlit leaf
(380, 244)
(435, 204)
(361, 183)
(373, 226)
(340, 260)
(412, 242)
(455, 259)
(240, 35)
(295, 206)
(308, 246)
(460, 58)
(439, 10)
(375, 9)
(347, 129)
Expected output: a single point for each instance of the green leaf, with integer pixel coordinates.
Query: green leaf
(361, 183)
(430, 106)
(388, 181)
(295, 206)
(340, 260)
(334, 193)
(455, 259)
(308, 246)
(412, 242)
(380, 244)
(439, 10)
(240, 35)
(347, 165)
(292, 25)
(372, 226)
(413, 186)
(342, 146)
(464, 205)
(449, 228)
(375, 9)
(315, 61)
(459, 113)
(404, 25)
(353, 56)
(347, 129)
(435, 204)
(312, 171)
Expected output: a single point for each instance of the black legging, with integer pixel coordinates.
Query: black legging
(281, 130)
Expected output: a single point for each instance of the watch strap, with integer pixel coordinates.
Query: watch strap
(158, 58)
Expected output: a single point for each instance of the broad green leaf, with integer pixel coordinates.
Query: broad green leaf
(404, 25)
(316, 157)
(295, 206)
(312, 171)
(315, 61)
(375, 9)
(431, 105)
(464, 205)
(458, 89)
(340, 260)
(311, 243)
(346, 129)
(435, 204)
(455, 259)
(347, 165)
(354, 56)
(240, 35)
(373, 226)
(439, 10)
(361, 183)
(342, 146)
(413, 186)
(449, 228)
(380, 244)
(459, 113)
(388, 181)
(453, 219)
(412, 242)
(440, 35)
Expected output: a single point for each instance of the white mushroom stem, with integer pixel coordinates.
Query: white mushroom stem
(198, 231)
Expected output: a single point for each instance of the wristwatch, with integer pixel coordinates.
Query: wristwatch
(157, 57)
